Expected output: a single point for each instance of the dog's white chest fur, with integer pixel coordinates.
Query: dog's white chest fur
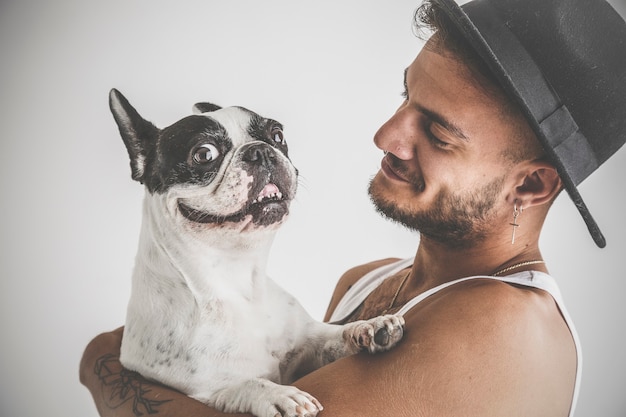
(235, 327)
(203, 316)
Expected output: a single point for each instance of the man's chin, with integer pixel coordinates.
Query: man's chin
(449, 233)
(387, 207)
(380, 193)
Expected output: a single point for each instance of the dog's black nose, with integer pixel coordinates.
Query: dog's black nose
(259, 153)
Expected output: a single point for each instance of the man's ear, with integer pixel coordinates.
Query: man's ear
(539, 183)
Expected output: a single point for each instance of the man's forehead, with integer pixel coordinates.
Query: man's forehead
(449, 71)
(412, 74)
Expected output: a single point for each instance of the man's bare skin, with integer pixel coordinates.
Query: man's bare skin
(458, 343)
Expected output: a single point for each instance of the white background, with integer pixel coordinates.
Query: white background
(331, 71)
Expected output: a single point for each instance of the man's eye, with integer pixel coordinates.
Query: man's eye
(435, 140)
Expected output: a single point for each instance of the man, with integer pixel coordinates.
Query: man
(509, 102)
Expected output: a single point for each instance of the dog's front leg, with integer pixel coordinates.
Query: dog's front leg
(325, 343)
(264, 398)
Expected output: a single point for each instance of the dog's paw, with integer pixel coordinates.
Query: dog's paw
(376, 335)
(264, 398)
(288, 401)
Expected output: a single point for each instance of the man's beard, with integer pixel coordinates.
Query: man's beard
(456, 220)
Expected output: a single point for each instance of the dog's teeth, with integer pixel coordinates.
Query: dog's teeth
(270, 192)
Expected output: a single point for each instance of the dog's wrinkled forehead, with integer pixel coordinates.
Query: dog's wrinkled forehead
(240, 124)
(220, 131)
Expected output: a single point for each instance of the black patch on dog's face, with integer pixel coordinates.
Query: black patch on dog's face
(172, 161)
(267, 130)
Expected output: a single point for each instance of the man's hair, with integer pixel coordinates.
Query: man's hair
(429, 19)
(433, 24)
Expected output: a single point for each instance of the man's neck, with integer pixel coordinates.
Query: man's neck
(436, 263)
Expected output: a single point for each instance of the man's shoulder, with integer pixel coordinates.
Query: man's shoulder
(479, 347)
(491, 339)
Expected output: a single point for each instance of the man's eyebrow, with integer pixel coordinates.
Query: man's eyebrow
(445, 123)
(436, 117)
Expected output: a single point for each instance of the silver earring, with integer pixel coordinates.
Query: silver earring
(515, 225)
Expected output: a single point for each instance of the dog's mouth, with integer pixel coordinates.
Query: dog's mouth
(269, 193)
(270, 206)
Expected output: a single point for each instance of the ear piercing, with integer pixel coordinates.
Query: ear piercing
(515, 225)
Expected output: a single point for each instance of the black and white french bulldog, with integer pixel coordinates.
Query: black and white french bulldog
(203, 316)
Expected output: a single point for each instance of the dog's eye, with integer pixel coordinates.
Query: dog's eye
(277, 135)
(205, 153)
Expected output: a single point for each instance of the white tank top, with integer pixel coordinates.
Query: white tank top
(370, 281)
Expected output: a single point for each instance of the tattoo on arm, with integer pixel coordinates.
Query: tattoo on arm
(123, 386)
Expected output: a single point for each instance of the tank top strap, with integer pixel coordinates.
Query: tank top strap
(533, 279)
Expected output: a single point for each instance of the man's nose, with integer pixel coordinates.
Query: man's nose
(397, 135)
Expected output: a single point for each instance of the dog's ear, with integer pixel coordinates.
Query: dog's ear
(139, 135)
(205, 107)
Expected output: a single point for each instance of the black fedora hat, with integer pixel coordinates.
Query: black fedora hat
(564, 63)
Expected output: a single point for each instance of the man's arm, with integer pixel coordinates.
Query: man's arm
(118, 392)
